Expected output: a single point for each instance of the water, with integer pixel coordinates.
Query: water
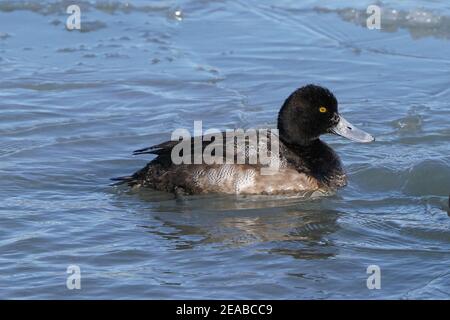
(75, 104)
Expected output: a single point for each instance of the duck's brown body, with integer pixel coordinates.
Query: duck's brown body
(226, 179)
(314, 167)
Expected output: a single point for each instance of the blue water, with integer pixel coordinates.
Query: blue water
(74, 105)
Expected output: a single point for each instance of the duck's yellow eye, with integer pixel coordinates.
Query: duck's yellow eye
(323, 109)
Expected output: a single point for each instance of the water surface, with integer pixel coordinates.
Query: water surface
(75, 104)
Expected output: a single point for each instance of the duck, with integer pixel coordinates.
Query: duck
(305, 162)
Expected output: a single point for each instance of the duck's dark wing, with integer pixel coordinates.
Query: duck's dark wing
(246, 146)
(165, 147)
(162, 150)
(243, 153)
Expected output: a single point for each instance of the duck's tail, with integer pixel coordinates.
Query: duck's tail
(130, 180)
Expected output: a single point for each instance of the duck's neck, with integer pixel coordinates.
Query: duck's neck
(301, 140)
(316, 158)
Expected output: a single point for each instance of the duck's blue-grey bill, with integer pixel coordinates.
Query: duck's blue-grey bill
(349, 131)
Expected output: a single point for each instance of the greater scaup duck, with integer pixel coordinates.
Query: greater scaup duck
(306, 162)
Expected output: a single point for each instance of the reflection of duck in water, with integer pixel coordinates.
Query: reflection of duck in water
(285, 231)
(307, 163)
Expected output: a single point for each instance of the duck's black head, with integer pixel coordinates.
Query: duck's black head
(311, 111)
